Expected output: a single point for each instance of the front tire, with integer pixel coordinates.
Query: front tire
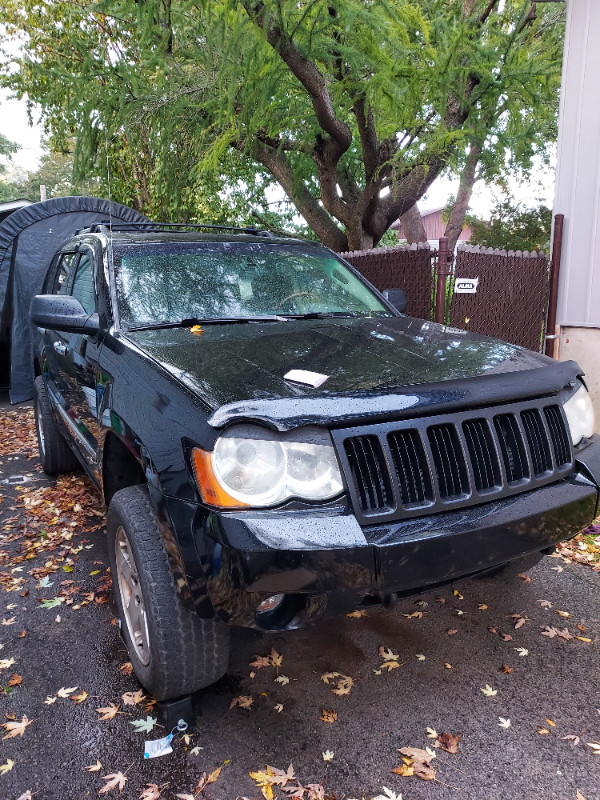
(172, 650)
(55, 454)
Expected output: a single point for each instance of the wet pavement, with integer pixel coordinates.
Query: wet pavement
(446, 655)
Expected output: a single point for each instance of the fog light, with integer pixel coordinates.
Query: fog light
(270, 604)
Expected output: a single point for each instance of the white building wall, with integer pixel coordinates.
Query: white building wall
(577, 194)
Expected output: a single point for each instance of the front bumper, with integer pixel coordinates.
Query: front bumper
(322, 560)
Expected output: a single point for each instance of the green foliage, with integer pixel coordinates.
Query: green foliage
(514, 227)
(197, 110)
(7, 148)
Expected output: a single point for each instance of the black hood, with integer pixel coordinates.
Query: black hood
(246, 362)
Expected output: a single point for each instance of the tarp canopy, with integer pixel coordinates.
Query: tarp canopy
(29, 238)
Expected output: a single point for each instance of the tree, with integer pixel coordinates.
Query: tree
(514, 227)
(353, 108)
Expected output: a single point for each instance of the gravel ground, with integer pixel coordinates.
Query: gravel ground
(446, 655)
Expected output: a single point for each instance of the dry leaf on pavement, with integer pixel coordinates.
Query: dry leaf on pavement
(243, 701)
(133, 698)
(488, 691)
(15, 728)
(79, 698)
(94, 767)
(108, 712)
(115, 780)
(150, 792)
(420, 761)
(66, 692)
(449, 742)
(328, 715)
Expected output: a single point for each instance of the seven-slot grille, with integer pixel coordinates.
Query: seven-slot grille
(421, 466)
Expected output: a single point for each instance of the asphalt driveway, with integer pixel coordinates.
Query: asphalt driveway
(528, 734)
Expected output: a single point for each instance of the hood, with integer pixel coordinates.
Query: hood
(237, 365)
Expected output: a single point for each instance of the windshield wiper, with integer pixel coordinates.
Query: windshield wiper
(328, 314)
(190, 321)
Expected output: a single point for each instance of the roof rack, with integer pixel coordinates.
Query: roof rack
(105, 226)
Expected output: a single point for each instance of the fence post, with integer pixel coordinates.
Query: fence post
(442, 274)
(554, 274)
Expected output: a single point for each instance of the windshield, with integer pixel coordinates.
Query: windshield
(173, 281)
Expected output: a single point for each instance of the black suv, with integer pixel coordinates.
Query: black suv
(276, 441)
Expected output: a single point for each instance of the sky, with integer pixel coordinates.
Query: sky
(14, 124)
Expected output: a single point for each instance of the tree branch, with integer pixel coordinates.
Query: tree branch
(305, 71)
(315, 215)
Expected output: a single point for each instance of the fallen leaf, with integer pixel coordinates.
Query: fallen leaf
(328, 755)
(552, 724)
(4, 768)
(451, 631)
(328, 715)
(197, 330)
(456, 593)
(16, 680)
(282, 679)
(115, 780)
(493, 630)
(522, 651)
(260, 661)
(420, 657)
(243, 701)
(504, 723)
(275, 659)
(15, 728)
(572, 738)
(390, 665)
(405, 770)
(23, 634)
(551, 632)
(387, 654)
(357, 614)
(447, 665)
(562, 613)
(108, 712)
(545, 603)
(482, 607)
(388, 795)
(583, 639)
(506, 637)
(557, 569)
(94, 767)
(506, 669)
(126, 668)
(49, 700)
(579, 796)
(449, 742)
(414, 615)
(195, 751)
(133, 698)
(150, 792)
(278, 707)
(488, 691)
(5, 663)
(542, 731)
(144, 725)
(25, 796)
(431, 733)
(10, 621)
(594, 745)
(79, 698)
(525, 577)
(66, 692)
(420, 762)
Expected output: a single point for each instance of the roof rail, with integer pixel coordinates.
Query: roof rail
(105, 226)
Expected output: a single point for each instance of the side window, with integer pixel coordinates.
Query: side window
(60, 281)
(83, 285)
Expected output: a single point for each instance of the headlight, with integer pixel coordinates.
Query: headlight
(251, 466)
(580, 415)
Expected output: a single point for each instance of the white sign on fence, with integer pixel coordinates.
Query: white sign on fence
(465, 285)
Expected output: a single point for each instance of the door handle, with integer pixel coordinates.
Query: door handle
(60, 348)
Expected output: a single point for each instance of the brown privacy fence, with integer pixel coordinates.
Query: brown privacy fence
(511, 300)
(494, 292)
(404, 267)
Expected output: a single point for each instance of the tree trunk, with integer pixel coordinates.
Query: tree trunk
(358, 238)
(463, 198)
(412, 224)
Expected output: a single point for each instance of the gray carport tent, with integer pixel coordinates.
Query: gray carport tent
(29, 238)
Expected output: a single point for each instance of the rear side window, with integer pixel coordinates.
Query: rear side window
(60, 282)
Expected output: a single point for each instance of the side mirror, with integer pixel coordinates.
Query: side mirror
(59, 312)
(397, 297)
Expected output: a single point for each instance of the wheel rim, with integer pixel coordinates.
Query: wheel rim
(40, 429)
(132, 599)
